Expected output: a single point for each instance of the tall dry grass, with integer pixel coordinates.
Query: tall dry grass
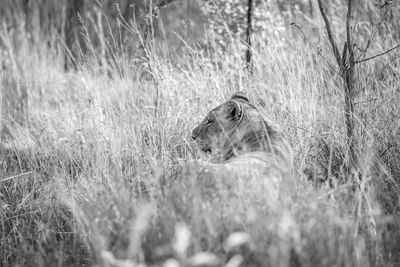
(87, 168)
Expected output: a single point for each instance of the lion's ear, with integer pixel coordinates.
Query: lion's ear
(235, 110)
(241, 96)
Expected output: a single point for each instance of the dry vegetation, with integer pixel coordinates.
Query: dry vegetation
(88, 158)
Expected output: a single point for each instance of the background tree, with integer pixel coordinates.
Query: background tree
(73, 35)
(249, 63)
(346, 63)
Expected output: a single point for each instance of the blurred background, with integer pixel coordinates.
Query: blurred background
(69, 25)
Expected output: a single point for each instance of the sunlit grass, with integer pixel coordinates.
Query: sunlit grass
(88, 168)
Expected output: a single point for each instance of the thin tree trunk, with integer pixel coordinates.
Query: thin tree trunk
(73, 38)
(349, 77)
(28, 9)
(127, 15)
(249, 61)
(346, 63)
(1, 105)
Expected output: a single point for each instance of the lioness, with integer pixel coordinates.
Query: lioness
(236, 128)
(249, 155)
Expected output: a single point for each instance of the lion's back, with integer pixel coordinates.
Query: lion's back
(254, 175)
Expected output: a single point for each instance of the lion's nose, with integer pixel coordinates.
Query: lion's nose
(195, 133)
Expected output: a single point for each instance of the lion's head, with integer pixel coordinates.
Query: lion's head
(237, 127)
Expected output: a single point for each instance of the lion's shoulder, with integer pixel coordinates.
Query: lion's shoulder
(246, 175)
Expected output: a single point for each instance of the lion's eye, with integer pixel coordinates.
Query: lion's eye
(209, 121)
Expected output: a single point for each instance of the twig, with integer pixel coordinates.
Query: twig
(377, 75)
(378, 55)
(366, 101)
(373, 34)
(20, 215)
(15, 176)
(313, 47)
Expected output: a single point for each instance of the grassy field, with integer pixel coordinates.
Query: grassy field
(88, 157)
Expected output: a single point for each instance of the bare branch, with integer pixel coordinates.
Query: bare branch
(366, 101)
(329, 31)
(316, 49)
(373, 34)
(378, 55)
(15, 176)
(379, 73)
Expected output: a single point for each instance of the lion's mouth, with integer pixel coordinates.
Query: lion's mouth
(204, 148)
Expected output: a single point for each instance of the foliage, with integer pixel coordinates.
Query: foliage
(229, 18)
